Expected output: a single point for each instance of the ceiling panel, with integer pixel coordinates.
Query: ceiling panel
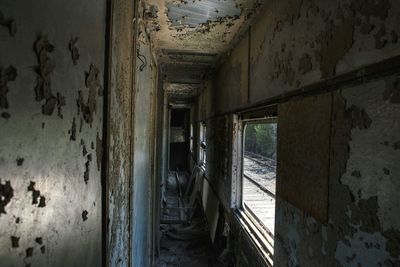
(194, 13)
(207, 26)
(190, 36)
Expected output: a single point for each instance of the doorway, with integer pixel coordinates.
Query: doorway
(179, 141)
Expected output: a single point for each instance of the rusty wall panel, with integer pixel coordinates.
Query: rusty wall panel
(120, 127)
(303, 153)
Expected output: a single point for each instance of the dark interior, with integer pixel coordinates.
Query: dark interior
(133, 133)
(179, 151)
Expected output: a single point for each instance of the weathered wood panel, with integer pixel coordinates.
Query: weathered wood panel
(303, 153)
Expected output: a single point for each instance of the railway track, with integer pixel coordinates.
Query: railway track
(261, 160)
(260, 186)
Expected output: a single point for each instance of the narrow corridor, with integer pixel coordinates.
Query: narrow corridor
(199, 133)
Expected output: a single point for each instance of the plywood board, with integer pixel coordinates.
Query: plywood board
(303, 153)
(210, 205)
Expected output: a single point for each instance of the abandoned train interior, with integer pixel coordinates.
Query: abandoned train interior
(212, 133)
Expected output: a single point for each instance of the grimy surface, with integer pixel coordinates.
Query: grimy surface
(186, 244)
(51, 132)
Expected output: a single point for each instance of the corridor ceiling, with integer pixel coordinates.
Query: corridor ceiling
(190, 35)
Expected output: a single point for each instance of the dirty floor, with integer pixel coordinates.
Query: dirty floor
(186, 246)
(188, 243)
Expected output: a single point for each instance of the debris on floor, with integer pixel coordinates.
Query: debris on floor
(186, 243)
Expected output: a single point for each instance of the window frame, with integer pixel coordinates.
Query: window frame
(202, 144)
(255, 121)
(191, 138)
(260, 237)
(241, 205)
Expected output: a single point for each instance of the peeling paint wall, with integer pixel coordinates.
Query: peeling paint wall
(51, 107)
(205, 105)
(363, 226)
(300, 43)
(159, 159)
(369, 177)
(296, 43)
(233, 77)
(143, 187)
(120, 134)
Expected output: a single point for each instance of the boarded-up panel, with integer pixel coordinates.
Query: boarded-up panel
(210, 206)
(303, 153)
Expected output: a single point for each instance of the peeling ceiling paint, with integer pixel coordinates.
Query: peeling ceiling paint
(182, 91)
(190, 37)
(198, 12)
(199, 25)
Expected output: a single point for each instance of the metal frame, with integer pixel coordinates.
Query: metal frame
(259, 234)
(244, 124)
(235, 167)
(202, 152)
(261, 241)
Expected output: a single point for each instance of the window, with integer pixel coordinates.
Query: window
(191, 138)
(253, 170)
(259, 172)
(202, 144)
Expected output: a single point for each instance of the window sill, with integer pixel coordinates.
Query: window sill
(259, 239)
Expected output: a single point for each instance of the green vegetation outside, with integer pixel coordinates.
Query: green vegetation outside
(261, 139)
